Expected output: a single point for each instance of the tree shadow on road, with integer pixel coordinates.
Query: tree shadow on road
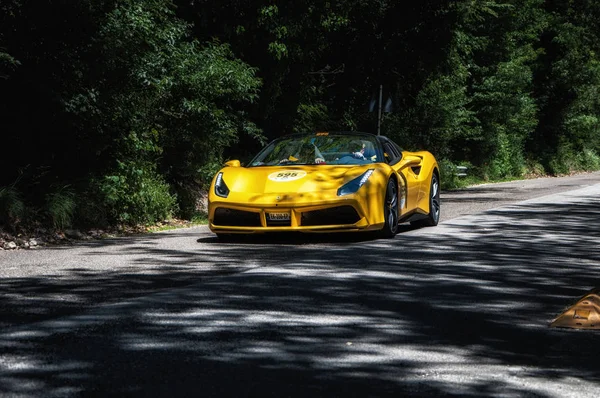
(299, 238)
(458, 310)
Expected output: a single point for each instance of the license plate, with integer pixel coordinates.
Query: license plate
(278, 216)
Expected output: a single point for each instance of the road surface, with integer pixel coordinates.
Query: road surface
(461, 309)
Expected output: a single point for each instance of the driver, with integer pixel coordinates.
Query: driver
(363, 152)
(307, 153)
(360, 153)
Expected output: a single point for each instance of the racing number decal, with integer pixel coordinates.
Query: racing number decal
(284, 176)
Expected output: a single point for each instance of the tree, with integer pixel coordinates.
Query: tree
(567, 84)
(130, 100)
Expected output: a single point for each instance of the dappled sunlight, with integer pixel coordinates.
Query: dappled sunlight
(16, 371)
(461, 309)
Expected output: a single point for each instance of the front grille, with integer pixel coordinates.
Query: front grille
(236, 218)
(334, 216)
(279, 223)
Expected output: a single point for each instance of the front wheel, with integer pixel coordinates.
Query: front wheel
(390, 211)
(434, 205)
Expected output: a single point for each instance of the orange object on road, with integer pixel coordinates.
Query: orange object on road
(585, 314)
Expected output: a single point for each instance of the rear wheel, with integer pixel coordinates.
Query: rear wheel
(434, 205)
(390, 211)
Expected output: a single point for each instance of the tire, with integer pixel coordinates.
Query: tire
(433, 217)
(390, 211)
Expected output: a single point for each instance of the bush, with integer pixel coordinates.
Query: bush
(534, 168)
(91, 212)
(136, 194)
(190, 196)
(508, 160)
(567, 160)
(208, 170)
(588, 160)
(559, 165)
(448, 174)
(60, 207)
(12, 208)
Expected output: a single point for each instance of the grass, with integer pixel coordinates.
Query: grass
(12, 206)
(60, 206)
(200, 218)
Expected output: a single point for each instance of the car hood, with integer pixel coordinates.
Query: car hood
(286, 179)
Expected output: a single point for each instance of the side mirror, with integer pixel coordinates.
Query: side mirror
(410, 161)
(233, 163)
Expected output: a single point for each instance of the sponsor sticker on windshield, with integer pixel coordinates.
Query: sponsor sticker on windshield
(284, 176)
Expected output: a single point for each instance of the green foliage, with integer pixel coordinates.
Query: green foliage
(199, 218)
(568, 159)
(208, 171)
(311, 117)
(185, 96)
(441, 113)
(448, 174)
(478, 104)
(91, 210)
(136, 194)
(151, 96)
(190, 93)
(563, 162)
(60, 207)
(12, 207)
(7, 64)
(588, 160)
(534, 168)
(507, 113)
(569, 82)
(508, 159)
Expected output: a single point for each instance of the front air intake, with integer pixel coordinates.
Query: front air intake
(236, 218)
(341, 215)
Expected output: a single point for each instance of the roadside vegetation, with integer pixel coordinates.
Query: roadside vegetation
(115, 114)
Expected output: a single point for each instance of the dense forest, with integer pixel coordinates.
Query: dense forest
(121, 111)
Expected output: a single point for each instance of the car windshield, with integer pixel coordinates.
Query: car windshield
(320, 149)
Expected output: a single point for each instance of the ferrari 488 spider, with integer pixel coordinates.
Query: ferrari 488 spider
(326, 182)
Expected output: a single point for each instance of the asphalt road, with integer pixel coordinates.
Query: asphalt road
(461, 309)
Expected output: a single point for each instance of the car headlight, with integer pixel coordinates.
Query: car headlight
(221, 188)
(355, 184)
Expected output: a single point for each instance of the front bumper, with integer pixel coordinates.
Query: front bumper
(342, 214)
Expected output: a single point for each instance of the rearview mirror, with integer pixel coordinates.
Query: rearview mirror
(233, 163)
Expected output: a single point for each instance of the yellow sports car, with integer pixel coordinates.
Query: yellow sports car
(326, 182)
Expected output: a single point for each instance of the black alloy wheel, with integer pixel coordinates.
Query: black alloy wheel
(390, 211)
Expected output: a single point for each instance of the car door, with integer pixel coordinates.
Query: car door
(393, 156)
(408, 166)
